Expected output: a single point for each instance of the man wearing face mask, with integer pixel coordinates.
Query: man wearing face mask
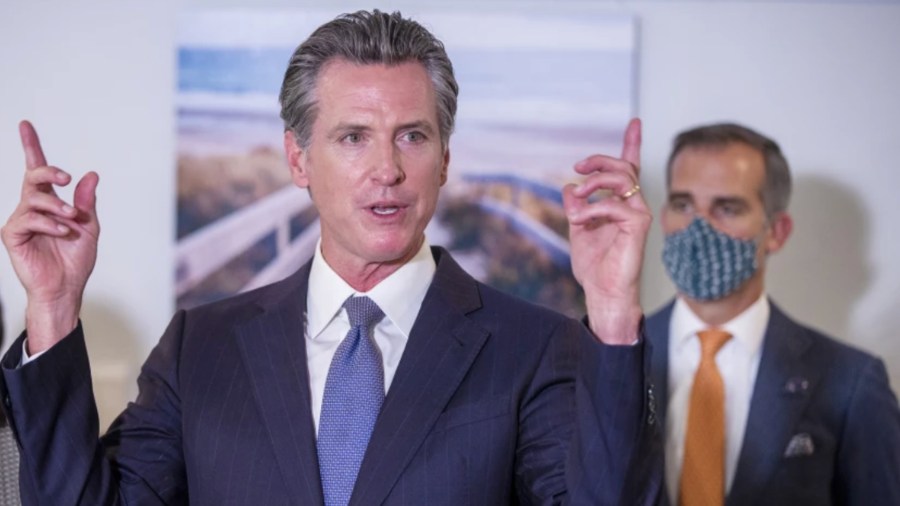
(758, 408)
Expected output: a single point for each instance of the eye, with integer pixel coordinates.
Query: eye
(680, 205)
(414, 137)
(352, 138)
(729, 209)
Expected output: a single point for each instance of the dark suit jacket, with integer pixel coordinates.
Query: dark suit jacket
(482, 410)
(808, 387)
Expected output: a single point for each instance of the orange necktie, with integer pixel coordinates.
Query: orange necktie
(703, 469)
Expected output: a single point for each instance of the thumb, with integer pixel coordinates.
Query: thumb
(574, 205)
(85, 196)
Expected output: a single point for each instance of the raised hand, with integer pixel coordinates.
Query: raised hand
(607, 239)
(52, 245)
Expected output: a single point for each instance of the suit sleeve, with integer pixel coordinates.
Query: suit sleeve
(583, 432)
(868, 460)
(616, 454)
(54, 416)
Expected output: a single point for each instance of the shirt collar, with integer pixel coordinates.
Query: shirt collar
(748, 328)
(399, 296)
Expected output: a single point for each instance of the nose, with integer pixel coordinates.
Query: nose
(387, 167)
(702, 213)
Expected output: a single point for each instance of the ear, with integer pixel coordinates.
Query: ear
(779, 230)
(445, 165)
(296, 160)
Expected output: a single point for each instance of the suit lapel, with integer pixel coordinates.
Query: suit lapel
(274, 351)
(774, 409)
(442, 346)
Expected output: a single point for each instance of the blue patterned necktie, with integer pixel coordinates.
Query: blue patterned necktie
(354, 391)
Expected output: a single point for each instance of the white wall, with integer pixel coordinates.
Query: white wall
(97, 78)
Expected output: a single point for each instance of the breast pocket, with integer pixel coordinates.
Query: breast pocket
(806, 470)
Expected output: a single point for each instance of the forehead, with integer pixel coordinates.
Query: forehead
(399, 89)
(733, 169)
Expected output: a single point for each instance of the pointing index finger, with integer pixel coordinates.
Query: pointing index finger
(31, 144)
(631, 148)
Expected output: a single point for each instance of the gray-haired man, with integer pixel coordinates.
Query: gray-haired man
(379, 373)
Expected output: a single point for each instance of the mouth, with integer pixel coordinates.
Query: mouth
(385, 210)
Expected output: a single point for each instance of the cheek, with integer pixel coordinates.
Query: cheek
(329, 178)
(429, 196)
(424, 174)
(742, 233)
(750, 229)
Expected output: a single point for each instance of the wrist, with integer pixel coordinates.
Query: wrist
(614, 321)
(47, 323)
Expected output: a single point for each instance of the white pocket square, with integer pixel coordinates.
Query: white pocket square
(800, 445)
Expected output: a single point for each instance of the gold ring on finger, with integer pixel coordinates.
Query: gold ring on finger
(636, 188)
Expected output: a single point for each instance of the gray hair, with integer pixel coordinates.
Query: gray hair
(364, 38)
(776, 190)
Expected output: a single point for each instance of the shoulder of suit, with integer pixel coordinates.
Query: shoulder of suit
(822, 344)
(495, 298)
(497, 311)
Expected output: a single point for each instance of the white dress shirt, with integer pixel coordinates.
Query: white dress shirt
(738, 362)
(399, 296)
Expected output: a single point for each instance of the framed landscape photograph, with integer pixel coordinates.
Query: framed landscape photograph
(538, 92)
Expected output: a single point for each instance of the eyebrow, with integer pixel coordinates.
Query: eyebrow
(347, 127)
(417, 125)
(680, 195)
(718, 201)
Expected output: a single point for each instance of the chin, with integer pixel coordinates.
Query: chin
(393, 250)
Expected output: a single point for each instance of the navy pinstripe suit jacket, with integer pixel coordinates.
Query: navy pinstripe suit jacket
(495, 402)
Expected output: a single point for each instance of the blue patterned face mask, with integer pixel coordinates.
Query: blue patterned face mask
(706, 264)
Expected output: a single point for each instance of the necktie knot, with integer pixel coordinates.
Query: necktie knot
(712, 340)
(363, 312)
